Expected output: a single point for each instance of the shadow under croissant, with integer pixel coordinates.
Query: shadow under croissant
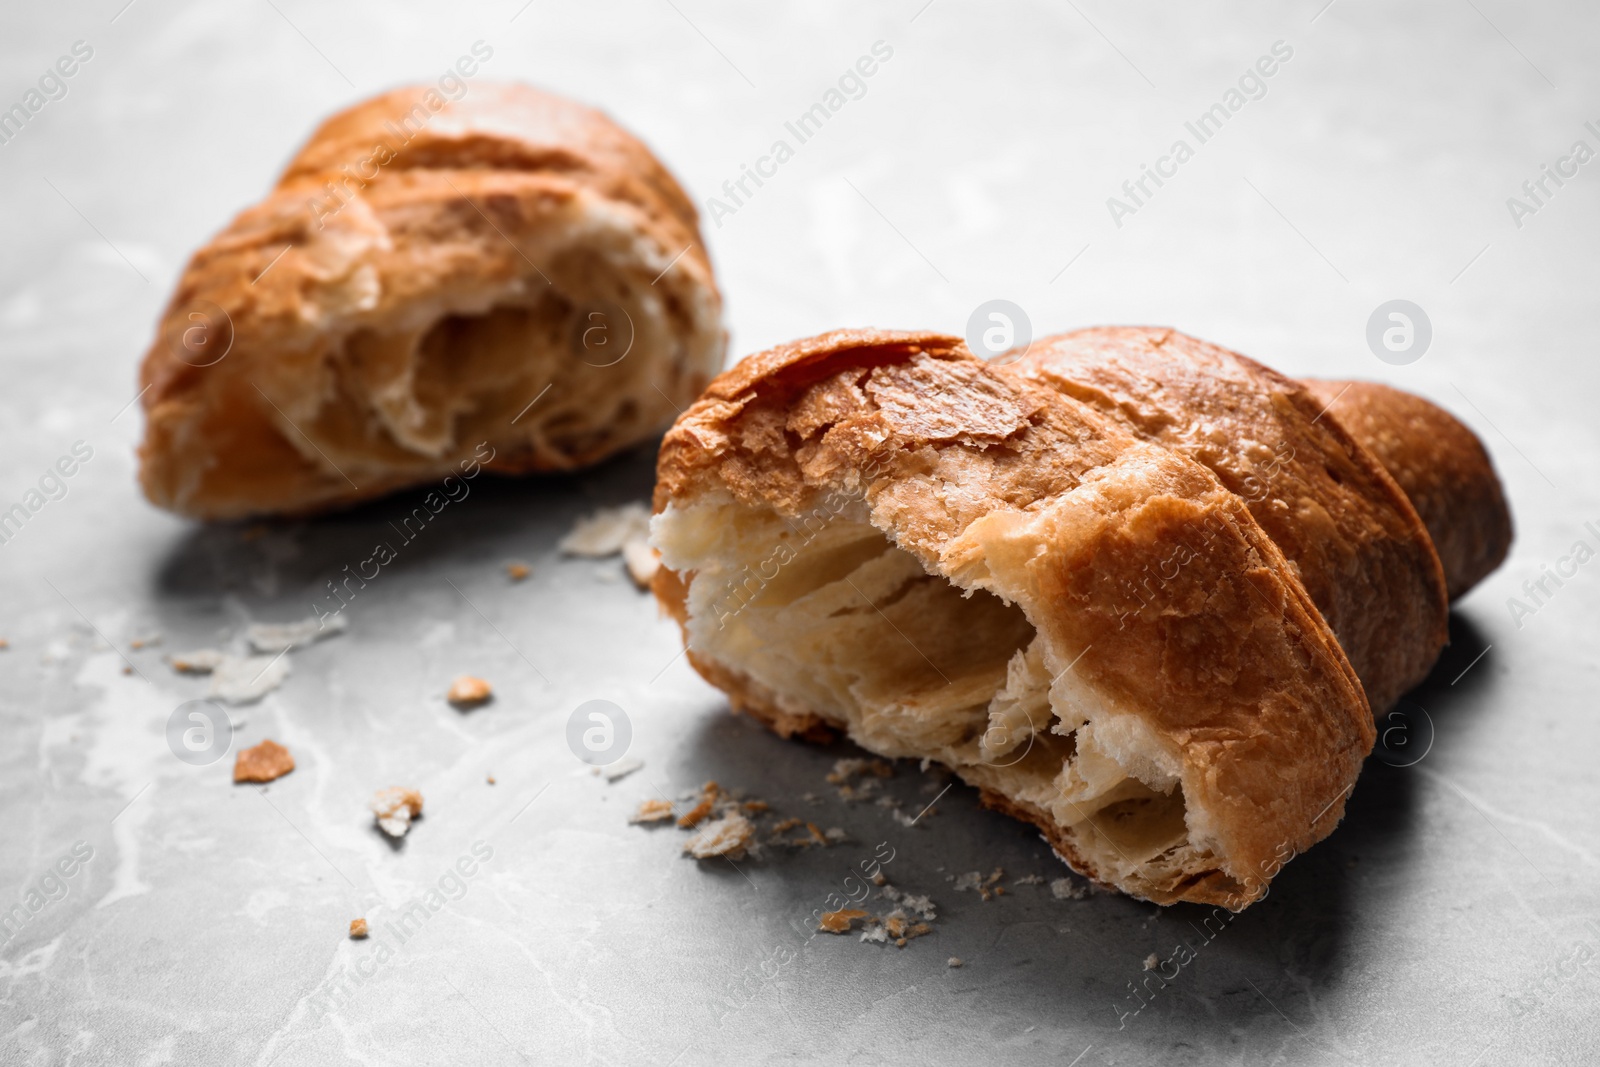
(1087, 957)
(477, 520)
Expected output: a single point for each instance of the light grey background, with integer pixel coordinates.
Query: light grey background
(1443, 923)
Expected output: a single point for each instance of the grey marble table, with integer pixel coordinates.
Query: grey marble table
(1452, 919)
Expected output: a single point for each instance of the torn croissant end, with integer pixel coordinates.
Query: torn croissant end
(877, 534)
(512, 282)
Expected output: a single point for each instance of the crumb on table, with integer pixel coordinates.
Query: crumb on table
(953, 961)
(467, 691)
(727, 836)
(358, 929)
(518, 571)
(394, 808)
(838, 922)
(708, 801)
(653, 810)
(262, 763)
(641, 560)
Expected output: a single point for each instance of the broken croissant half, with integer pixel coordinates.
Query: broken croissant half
(508, 274)
(1063, 581)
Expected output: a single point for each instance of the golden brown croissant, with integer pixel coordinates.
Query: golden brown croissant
(1441, 465)
(1362, 553)
(509, 274)
(879, 534)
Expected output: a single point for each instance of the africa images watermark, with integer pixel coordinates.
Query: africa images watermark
(738, 994)
(452, 85)
(52, 86)
(1186, 950)
(1561, 972)
(1539, 591)
(1559, 173)
(1252, 85)
(410, 528)
(1252, 490)
(50, 888)
(806, 126)
(749, 583)
(52, 486)
(387, 939)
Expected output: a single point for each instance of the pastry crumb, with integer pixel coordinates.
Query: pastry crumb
(234, 679)
(358, 929)
(265, 762)
(1151, 962)
(1067, 889)
(606, 531)
(394, 809)
(616, 772)
(987, 888)
(489, 778)
(272, 638)
(728, 836)
(708, 801)
(653, 810)
(953, 961)
(4, 644)
(468, 692)
(518, 572)
(641, 560)
(200, 661)
(846, 769)
(838, 922)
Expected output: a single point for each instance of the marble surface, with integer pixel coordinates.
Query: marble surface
(1452, 918)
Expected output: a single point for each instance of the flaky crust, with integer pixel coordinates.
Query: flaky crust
(399, 216)
(1442, 466)
(997, 482)
(1360, 548)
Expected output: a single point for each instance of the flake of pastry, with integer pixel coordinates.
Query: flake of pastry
(271, 638)
(264, 762)
(838, 922)
(616, 772)
(730, 835)
(653, 810)
(642, 561)
(469, 692)
(604, 532)
(395, 808)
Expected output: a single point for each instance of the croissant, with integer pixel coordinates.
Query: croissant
(1340, 495)
(1044, 575)
(431, 282)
